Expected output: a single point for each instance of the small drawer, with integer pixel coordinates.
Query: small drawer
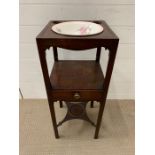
(81, 95)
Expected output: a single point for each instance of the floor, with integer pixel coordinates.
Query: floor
(76, 137)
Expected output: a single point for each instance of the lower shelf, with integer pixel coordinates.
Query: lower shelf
(76, 111)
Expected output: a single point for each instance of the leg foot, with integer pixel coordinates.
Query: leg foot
(52, 111)
(102, 104)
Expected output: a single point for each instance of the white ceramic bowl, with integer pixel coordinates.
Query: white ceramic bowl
(77, 28)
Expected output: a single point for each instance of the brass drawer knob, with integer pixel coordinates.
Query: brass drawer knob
(76, 96)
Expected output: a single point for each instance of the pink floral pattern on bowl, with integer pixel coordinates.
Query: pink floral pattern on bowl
(84, 30)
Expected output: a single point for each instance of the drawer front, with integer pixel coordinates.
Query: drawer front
(77, 95)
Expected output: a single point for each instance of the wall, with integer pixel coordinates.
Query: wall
(34, 15)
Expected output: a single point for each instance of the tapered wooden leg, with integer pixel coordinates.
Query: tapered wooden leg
(61, 104)
(91, 104)
(51, 105)
(99, 119)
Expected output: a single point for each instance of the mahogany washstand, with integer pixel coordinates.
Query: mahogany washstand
(77, 82)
